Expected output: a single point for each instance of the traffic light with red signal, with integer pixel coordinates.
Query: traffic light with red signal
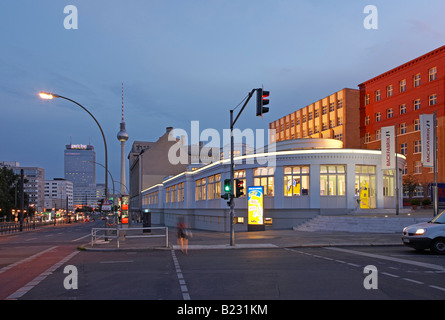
(239, 188)
(262, 99)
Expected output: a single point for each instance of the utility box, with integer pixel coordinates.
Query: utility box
(146, 220)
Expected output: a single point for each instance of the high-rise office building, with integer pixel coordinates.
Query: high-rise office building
(80, 169)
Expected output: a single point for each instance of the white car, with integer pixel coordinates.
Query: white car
(426, 235)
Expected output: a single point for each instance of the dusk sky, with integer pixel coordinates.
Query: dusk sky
(182, 61)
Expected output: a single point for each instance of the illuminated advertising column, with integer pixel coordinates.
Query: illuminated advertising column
(124, 209)
(255, 212)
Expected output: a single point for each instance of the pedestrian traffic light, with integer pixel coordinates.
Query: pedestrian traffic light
(227, 185)
(262, 99)
(239, 188)
(227, 189)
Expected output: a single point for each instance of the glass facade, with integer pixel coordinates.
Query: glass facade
(80, 169)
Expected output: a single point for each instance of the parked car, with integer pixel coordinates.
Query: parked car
(426, 235)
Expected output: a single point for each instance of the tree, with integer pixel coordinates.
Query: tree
(410, 184)
(9, 186)
(8, 182)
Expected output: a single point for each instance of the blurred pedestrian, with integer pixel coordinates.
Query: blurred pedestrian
(183, 235)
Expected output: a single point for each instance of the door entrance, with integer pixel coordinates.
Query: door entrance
(365, 185)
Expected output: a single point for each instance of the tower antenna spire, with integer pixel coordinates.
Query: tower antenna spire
(122, 102)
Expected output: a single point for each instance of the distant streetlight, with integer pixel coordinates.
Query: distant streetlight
(49, 96)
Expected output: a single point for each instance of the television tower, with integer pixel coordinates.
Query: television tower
(122, 136)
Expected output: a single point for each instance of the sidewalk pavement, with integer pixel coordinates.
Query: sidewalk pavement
(202, 240)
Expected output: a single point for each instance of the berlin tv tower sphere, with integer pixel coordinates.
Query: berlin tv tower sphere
(122, 135)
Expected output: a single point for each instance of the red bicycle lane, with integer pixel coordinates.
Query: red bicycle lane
(22, 276)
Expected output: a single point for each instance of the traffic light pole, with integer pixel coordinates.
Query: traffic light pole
(232, 167)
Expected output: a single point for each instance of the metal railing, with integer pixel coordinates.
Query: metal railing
(11, 227)
(115, 233)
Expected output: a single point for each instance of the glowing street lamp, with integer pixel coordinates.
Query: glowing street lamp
(49, 96)
(45, 95)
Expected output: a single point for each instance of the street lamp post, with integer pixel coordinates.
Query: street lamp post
(49, 96)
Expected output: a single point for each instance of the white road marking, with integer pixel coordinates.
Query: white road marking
(182, 284)
(377, 256)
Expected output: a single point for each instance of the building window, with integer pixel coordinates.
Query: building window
(153, 198)
(264, 177)
(296, 181)
(310, 115)
(181, 192)
(324, 110)
(367, 137)
(378, 135)
(366, 120)
(417, 80)
(417, 146)
(367, 100)
(339, 103)
(433, 74)
(167, 194)
(338, 136)
(419, 191)
(417, 167)
(404, 148)
(417, 125)
(402, 128)
(332, 180)
(174, 195)
(317, 113)
(200, 189)
(389, 91)
(402, 108)
(332, 106)
(377, 95)
(214, 189)
(378, 117)
(331, 123)
(389, 113)
(405, 170)
(417, 104)
(388, 183)
(433, 99)
(403, 85)
(339, 121)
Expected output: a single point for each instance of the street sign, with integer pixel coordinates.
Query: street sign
(106, 206)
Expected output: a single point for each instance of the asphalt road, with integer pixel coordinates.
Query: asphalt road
(32, 266)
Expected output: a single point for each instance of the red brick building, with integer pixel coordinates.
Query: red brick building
(399, 97)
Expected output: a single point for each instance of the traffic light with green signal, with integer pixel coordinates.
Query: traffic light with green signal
(227, 189)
